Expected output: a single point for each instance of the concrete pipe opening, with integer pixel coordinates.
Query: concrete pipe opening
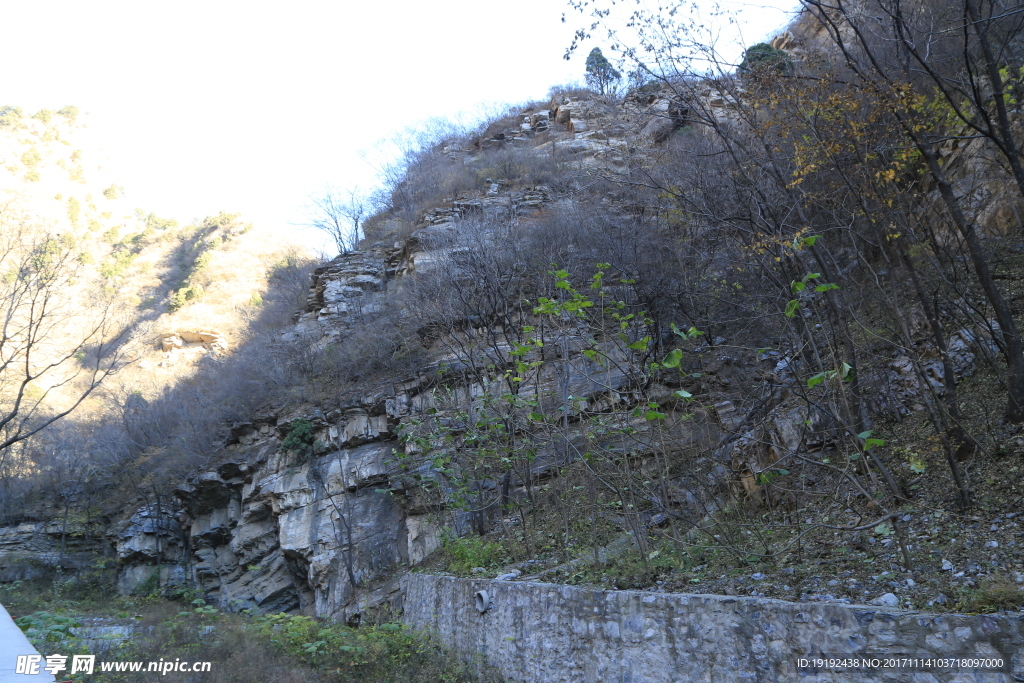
(483, 601)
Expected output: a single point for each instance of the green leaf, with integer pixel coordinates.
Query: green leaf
(864, 435)
(791, 308)
(654, 415)
(825, 288)
(562, 284)
(816, 380)
(809, 241)
(640, 345)
(673, 358)
(683, 393)
(688, 334)
(536, 417)
(798, 286)
(872, 443)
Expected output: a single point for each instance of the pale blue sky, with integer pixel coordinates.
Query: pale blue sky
(250, 107)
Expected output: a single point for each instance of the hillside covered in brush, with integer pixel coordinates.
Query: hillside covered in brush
(736, 328)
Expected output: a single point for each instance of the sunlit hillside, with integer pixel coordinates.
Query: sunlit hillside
(173, 291)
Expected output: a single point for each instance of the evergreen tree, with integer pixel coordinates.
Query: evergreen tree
(600, 74)
(763, 58)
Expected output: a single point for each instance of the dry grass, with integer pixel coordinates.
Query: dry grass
(997, 593)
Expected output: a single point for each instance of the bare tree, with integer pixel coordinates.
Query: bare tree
(959, 54)
(58, 340)
(339, 214)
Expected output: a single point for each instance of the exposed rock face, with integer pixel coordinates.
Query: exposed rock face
(339, 287)
(661, 119)
(32, 549)
(152, 535)
(270, 532)
(277, 530)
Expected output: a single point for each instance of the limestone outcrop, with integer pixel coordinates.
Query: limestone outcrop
(32, 549)
(191, 339)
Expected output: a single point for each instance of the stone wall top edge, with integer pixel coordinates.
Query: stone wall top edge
(749, 602)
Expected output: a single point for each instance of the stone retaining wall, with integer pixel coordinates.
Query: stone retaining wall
(543, 633)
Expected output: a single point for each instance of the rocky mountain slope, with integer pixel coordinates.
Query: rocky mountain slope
(593, 342)
(327, 530)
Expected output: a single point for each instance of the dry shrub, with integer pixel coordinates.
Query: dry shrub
(377, 347)
(570, 91)
(521, 167)
(997, 593)
(502, 122)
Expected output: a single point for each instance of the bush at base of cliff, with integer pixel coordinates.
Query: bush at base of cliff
(467, 553)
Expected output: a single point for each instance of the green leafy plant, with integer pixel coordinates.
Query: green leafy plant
(150, 585)
(299, 437)
(387, 647)
(766, 477)
(42, 627)
(884, 529)
(184, 295)
(466, 553)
